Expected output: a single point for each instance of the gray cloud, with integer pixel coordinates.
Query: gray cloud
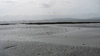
(11, 2)
(66, 2)
(46, 5)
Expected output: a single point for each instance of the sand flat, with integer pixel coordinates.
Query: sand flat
(31, 48)
(50, 40)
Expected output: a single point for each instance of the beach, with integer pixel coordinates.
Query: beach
(50, 40)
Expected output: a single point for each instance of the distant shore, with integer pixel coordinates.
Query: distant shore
(42, 23)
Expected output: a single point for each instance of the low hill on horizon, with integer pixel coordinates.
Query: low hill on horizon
(97, 19)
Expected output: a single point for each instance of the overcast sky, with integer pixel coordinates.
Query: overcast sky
(65, 8)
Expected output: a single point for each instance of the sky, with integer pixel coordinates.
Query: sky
(42, 9)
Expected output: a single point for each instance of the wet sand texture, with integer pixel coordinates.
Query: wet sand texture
(46, 49)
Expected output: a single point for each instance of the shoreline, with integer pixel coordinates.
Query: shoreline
(48, 23)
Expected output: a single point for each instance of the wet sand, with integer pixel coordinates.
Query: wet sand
(31, 48)
(50, 40)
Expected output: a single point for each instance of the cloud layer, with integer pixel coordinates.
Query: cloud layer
(77, 8)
